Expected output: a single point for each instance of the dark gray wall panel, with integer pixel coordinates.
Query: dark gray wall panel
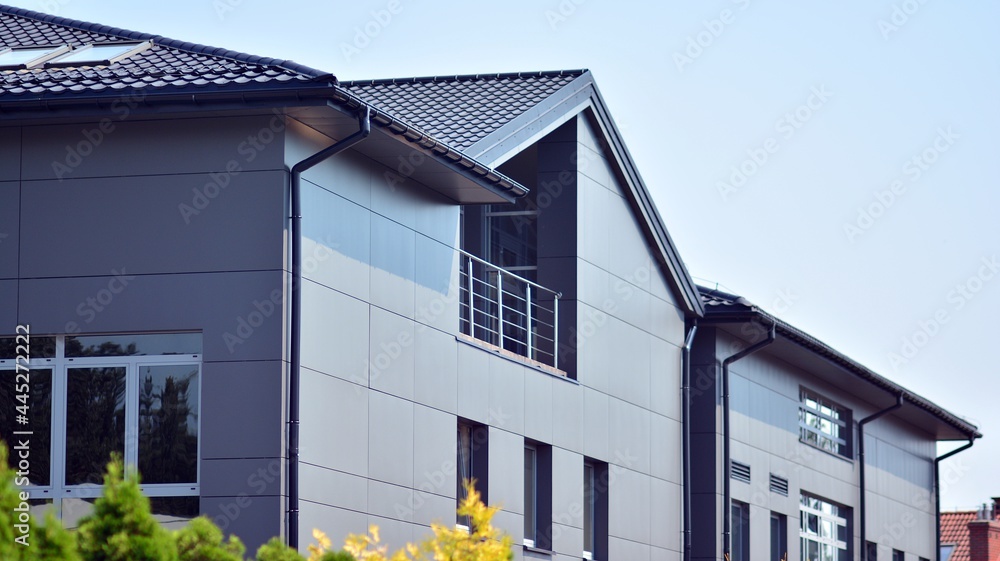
(9, 221)
(255, 519)
(219, 304)
(10, 153)
(90, 226)
(150, 147)
(8, 306)
(242, 412)
(246, 476)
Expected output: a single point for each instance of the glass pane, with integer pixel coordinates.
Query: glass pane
(23, 56)
(97, 53)
(95, 421)
(38, 347)
(812, 526)
(134, 345)
(34, 407)
(529, 493)
(168, 423)
(173, 513)
(74, 509)
(464, 466)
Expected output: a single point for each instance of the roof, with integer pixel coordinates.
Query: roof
(723, 306)
(955, 531)
(168, 66)
(462, 110)
(491, 117)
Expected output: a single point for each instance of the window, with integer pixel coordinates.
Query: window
(823, 530)
(137, 395)
(595, 509)
(98, 54)
(741, 532)
(27, 57)
(537, 495)
(824, 424)
(871, 551)
(898, 555)
(779, 537)
(473, 459)
(946, 551)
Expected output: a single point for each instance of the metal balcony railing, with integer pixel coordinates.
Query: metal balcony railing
(508, 311)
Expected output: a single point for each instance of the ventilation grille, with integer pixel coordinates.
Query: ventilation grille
(740, 472)
(779, 485)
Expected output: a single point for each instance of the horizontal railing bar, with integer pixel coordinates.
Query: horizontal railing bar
(502, 271)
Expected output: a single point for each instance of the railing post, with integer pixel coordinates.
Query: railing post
(530, 354)
(500, 306)
(555, 331)
(472, 306)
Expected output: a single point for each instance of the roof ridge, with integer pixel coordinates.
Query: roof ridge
(196, 48)
(466, 77)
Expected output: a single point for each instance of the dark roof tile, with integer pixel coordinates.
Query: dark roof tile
(461, 110)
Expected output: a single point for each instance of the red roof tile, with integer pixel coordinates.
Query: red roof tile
(955, 531)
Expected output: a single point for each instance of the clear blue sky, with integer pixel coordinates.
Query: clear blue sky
(697, 99)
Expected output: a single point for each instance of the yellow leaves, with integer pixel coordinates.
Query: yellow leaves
(481, 542)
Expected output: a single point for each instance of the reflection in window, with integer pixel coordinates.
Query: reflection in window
(39, 347)
(823, 424)
(95, 421)
(39, 420)
(134, 345)
(473, 446)
(823, 530)
(530, 494)
(173, 513)
(168, 423)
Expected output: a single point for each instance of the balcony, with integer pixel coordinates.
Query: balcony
(508, 312)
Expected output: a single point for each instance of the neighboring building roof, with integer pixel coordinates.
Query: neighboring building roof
(169, 65)
(955, 531)
(723, 306)
(462, 110)
(494, 116)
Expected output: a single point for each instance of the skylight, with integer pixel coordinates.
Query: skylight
(25, 57)
(99, 54)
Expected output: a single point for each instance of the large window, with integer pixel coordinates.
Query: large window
(823, 530)
(824, 424)
(741, 532)
(537, 495)
(91, 396)
(473, 459)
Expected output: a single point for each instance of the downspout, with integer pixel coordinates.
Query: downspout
(861, 458)
(727, 491)
(937, 492)
(686, 434)
(295, 342)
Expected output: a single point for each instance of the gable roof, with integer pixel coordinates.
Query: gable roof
(725, 307)
(462, 110)
(168, 66)
(495, 116)
(955, 531)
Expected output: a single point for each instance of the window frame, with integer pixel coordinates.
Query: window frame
(539, 485)
(57, 490)
(843, 441)
(478, 465)
(740, 516)
(842, 518)
(595, 500)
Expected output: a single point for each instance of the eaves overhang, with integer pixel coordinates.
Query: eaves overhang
(739, 310)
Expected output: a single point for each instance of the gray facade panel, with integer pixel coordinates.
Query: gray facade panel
(226, 306)
(134, 147)
(331, 520)
(333, 488)
(335, 336)
(10, 153)
(538, 405)
(336, 249)
(435, 369)
(596, 423)
(567, 416)
(245, 419)
(328, 406)
(10, 221)
(391, 350)
(506, 395)
(435, 442)
(231, 477)
(390, 501)
(254, 519)
(390, 439)
(92, 226)
(473, 383)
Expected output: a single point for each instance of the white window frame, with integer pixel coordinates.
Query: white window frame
(58, 490)
(827, 441)
(836, 520)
